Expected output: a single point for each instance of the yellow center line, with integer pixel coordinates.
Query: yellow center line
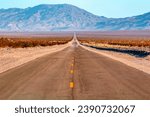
(71, 71)
(72, 64)
(71, 84)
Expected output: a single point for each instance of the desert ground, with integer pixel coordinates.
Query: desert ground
(78, 69)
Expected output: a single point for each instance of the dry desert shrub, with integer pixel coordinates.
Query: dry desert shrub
(32, 42)
(128, 41)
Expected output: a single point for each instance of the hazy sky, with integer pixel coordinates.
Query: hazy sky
(108, 8)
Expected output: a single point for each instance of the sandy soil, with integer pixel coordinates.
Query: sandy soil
(142, 64)
(13, 57)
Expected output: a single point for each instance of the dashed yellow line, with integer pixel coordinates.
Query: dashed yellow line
(71, 84)
(71, 71)
(72, 64)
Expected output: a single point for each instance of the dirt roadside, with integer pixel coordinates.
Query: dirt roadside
(13, 57)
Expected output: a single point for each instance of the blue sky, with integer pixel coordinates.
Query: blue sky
(108, 8)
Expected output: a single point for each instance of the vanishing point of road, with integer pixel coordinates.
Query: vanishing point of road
(74, 73)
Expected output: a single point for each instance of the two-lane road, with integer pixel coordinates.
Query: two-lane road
(94, 77)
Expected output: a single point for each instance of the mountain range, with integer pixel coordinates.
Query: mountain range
(64, 17)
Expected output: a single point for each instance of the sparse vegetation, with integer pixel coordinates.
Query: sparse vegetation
(130, 45)
(16, 42)
(121, 41)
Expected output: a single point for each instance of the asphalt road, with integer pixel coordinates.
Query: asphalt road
(74, 73)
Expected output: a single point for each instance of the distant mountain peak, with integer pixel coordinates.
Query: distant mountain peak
(56, 17)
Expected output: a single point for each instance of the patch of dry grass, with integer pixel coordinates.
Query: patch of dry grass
(16, 42)
(121, 41)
